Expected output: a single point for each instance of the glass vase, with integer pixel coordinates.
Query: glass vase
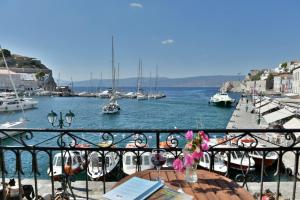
(191, 174)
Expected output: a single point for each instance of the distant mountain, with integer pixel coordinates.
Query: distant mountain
(197, 81)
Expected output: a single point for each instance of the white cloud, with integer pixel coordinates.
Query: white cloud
(168, 41)
(136, 5)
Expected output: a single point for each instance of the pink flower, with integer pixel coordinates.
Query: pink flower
(203, 135)
(204, 146)
(197, 155)
(188, 160)
(178, 165)
(189, 135)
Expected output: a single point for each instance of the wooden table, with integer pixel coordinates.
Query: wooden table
(210, 186)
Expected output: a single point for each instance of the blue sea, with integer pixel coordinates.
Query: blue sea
(184, 108)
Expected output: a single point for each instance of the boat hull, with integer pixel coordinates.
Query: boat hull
(235, 166)
(267, 162)
(222, 103)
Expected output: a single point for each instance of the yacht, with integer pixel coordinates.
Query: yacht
(112, 106)
(221, 99)
(13, 104)
(95, 167)
(74, 163)
(7, 125)
(219, 165)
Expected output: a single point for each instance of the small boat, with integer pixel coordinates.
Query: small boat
(221, 99)
(130, 95)
(257, 156)
(95, 170)
(13, 104)
(238, 161)
(130, 162)
(104, 94)
(219, 165)
(74, 163)
(6, 125)
(141, 96)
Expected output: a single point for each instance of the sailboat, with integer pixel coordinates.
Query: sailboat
(157, 95)
(112, 106)
(140, 95)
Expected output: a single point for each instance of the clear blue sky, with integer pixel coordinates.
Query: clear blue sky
(200, 37)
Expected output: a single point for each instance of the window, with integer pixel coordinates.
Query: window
(127, 160)
(146, 160)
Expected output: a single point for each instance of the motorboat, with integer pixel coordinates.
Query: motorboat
(219, 165)
(95, 167)
(7, 125)
(269, 160)
(13, 104)
(238, 160)
(112, 106)
(130, 164)
(221, 99)
(74, 163)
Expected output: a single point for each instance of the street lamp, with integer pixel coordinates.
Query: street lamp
(52, 117)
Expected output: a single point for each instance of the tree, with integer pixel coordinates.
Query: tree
(6, 53)
(40, 75)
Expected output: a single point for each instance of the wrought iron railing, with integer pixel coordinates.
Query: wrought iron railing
(34, 153)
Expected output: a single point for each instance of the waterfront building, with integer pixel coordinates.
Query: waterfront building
(283, 83)
(256, 87)
(296, 81)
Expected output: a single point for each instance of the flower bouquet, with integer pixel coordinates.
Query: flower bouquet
(192, 152)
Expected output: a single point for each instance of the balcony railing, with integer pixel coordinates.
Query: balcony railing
(31, 155)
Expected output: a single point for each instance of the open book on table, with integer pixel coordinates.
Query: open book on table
(135, 188)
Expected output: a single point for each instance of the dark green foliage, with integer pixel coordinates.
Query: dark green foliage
(40, 75)
(6, 53)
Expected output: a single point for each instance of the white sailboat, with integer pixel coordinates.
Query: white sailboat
(112, 106)
(140, 95)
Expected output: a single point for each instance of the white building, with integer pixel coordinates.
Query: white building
(283, 83)
(296, 82)
(22, 81)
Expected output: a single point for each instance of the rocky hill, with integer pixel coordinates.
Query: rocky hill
(233, 86)
(28, 65)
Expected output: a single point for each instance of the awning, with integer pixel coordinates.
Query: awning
(260, 104)
(267, 107)
(277, 115)
(293, 123)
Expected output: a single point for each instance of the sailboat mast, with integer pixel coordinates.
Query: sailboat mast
(156, 79)
(113, 64)
(138, 77)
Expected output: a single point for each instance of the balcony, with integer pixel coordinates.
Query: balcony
(34, 158)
